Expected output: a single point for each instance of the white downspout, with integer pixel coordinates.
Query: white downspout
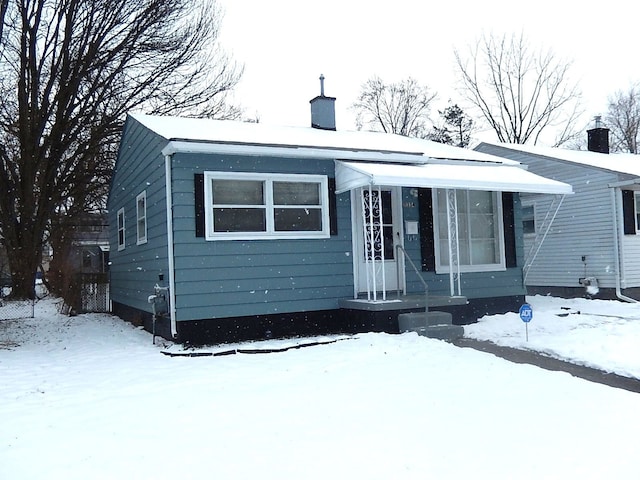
(617, 212)
(172, 275)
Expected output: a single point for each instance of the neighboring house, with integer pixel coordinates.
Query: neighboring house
(82, 269)
(90, 245)
(593, 246)
(251, 231)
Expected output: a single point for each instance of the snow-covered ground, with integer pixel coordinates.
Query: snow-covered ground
(90, 397)
(596, 333)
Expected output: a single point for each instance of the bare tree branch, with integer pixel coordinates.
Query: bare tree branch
(401, 108)
(519, 93)
(623, 119)
(70, 70)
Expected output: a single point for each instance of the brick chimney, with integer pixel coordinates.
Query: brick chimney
(598, 137)
(323, 110)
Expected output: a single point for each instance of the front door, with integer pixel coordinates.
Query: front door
(378, 231)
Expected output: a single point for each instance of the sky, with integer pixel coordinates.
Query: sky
(90, 396)
(286, 44)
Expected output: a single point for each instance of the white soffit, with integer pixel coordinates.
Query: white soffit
(499, 178)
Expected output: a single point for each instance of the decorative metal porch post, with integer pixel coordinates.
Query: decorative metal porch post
(454, 246)
(373, 241)
(366, 235)
(380, 232)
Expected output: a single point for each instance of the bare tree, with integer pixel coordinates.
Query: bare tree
(623, 119)
(519, 92)
(401, 108)
(69, 72)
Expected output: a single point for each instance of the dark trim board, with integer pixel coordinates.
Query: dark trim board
(301, 324)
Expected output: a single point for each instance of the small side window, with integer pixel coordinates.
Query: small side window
(121, 229)
(141, 214)
(528, 220)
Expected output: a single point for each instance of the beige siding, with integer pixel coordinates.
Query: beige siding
(631, 262)
(583, 226)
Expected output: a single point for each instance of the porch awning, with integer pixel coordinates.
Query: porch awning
(487, 177)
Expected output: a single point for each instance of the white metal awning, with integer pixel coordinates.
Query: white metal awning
(487, 177)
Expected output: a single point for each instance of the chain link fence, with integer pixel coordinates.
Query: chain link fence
(95, 293)
(88, 293)
(14, 309)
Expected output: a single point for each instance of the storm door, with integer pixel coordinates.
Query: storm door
(378, 231)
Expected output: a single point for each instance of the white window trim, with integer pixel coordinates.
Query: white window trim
(122, 245)
(492, 267)
(636, 199)
(141, 217)
(268, 178)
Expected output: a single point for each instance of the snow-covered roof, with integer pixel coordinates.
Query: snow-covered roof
(448, 166)
(490, 177)
(615, 162)
(184, 133)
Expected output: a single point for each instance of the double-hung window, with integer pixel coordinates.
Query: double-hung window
(242, 206)
(479, 229)
(121, 231)
(141, 215)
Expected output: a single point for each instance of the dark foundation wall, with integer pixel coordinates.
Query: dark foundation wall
(162, 325)
(580, 292)
(259, 327)
(479, 307)
(348, 321)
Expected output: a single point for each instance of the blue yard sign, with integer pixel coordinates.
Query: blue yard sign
(526, 314)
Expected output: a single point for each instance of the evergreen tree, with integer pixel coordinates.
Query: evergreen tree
(456, 128)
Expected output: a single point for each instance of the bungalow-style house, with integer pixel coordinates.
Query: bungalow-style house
(224, 231)
(592, 247)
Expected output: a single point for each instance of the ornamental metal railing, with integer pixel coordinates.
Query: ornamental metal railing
(400, 248)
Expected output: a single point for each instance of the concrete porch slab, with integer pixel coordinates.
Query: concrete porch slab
(404, 302)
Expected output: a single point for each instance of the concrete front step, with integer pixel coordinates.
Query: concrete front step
(448, 333)
(434, 324)
(413, 320)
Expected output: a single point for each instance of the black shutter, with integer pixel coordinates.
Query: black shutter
(333, 207)
(508, 220)
(198, 181)
(427, 245)
(628, 212)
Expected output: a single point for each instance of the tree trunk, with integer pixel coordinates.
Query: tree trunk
(23, 264)
(60, 267)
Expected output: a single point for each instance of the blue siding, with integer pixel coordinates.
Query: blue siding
(229, 278)
(232, 278)
(473, 285)
(140, 166)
